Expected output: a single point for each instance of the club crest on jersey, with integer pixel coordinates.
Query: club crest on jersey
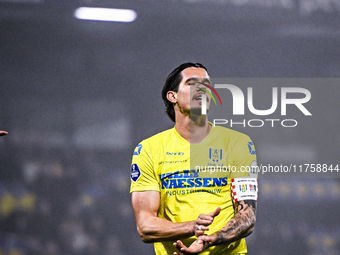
(252, 187)
(243, 187)
(215, 154)
(135, 172)
(137, 150)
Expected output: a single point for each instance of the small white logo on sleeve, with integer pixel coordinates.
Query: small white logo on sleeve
(135, 172)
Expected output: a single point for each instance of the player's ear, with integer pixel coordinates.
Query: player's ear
(172, 96)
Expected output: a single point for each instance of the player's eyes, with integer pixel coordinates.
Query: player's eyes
(193, 83)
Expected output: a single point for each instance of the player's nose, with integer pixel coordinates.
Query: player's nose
(200, 86)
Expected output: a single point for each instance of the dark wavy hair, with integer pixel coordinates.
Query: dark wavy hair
(172, 83)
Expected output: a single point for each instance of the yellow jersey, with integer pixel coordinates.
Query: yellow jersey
(193, 179)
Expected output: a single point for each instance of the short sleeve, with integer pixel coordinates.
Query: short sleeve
(143, 177)
(244, 158)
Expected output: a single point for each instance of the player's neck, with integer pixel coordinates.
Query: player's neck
(193, 130)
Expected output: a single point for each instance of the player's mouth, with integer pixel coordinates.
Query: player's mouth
(199, 98)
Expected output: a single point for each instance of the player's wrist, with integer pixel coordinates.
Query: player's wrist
(192, 227)
(212, 240)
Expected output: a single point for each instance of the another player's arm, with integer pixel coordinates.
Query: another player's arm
(154, 229)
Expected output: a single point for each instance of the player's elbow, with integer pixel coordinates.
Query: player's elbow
(144, 234)
(146, 238)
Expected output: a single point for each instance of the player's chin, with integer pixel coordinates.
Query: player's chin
(197, 111)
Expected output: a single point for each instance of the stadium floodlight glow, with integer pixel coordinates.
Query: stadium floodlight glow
(105, 14)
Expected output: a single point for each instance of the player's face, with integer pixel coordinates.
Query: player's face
(189, 95)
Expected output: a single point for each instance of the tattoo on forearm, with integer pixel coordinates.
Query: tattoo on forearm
(238, 227)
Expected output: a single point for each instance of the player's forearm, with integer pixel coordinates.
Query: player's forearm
(158, 230)
(240, 226)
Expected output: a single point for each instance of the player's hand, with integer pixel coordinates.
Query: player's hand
(196, 247)
(2, 133)
(203, 221)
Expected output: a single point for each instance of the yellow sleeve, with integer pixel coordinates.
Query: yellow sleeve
(244, 158)
(143, 176)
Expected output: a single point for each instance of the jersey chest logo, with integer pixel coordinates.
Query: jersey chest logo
(215, 154)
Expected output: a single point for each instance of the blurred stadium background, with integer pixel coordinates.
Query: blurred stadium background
(77, 96)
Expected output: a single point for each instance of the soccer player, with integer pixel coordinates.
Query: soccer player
(178, 205)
